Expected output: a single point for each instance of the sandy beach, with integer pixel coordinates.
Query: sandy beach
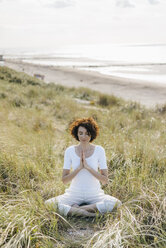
(147, 94)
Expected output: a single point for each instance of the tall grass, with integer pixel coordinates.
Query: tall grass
(34, 120)
(139, 223)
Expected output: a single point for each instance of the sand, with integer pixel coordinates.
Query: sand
(145, 93)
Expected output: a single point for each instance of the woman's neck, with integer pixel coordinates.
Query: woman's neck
(84, 147)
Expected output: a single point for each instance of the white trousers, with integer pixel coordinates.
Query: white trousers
(104, 203)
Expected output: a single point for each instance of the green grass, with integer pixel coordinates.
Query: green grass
(34, 121)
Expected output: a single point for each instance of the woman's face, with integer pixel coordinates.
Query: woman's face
(83, 135)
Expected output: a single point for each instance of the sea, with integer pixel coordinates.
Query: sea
(145, 62)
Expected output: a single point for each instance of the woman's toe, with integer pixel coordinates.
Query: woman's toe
(75, 205)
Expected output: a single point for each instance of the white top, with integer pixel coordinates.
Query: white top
(84, 180)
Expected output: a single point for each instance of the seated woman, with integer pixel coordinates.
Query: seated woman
(85, 179)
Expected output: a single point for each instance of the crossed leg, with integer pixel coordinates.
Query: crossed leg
(90, 208)
(86, 210)
(68, 204)
(79, 211)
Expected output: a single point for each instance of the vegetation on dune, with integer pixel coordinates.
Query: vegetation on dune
(34, 120)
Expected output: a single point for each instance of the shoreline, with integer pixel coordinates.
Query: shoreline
(143, 92)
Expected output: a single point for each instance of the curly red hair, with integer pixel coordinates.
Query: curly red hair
(88, 123)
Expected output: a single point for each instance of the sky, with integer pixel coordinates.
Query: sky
(58, 23)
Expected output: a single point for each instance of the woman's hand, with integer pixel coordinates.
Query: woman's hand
(83, 163)
(81, 166)
(86, 166)
(103, 176)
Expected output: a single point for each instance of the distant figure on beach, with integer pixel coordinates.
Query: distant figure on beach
(39, 76)
(84, 197)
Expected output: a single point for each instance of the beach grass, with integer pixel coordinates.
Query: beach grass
(34, 121)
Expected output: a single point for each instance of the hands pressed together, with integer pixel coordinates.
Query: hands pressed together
(83, 163)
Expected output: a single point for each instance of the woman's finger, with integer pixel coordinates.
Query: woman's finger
(83, 156)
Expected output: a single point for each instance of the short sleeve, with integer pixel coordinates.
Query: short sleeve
(67, 159)
(102, 158)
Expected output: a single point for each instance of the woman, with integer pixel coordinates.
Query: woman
(85, 179)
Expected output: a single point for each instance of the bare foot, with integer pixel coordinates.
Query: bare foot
(90, 208)
(75, 205)
(80, 212)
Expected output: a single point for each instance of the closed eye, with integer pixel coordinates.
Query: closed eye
(82, 133)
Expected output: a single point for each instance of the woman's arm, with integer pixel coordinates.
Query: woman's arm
(102, 177)
(67, 176)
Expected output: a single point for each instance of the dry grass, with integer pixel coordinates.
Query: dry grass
(34, 119)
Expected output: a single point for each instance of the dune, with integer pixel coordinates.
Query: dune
(143, 92)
